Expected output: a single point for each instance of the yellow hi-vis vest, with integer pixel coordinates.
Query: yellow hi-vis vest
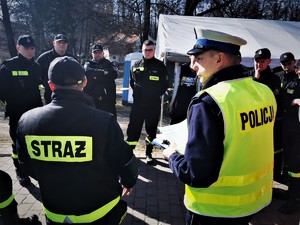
(245, 180)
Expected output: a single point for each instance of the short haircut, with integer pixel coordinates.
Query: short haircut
(148, 42)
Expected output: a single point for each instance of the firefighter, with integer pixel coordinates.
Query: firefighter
(149, 81)
(230, 126)
(290, 97)
(76, 152)
(185, 87)
(60, 47)
(20, 78)
(101, 75)
(8, 205)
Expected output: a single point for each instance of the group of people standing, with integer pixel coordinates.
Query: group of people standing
(65, 138)
(227, 165)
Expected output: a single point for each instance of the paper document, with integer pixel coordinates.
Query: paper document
(174, 136)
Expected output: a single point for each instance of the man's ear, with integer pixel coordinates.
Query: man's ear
(220, 59)
(51, 85)
(84, 81)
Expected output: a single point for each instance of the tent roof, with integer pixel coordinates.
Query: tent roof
(176, 36)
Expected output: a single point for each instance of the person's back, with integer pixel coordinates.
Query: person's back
(77, 153)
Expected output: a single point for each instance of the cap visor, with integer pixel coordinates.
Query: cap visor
(196, 51)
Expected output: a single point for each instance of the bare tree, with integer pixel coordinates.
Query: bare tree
(8, 29)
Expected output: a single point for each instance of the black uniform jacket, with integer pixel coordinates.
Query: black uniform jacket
(44, 60)
(75, 188)
(101, 79)
(200, 166)
(18, 89)
(149, 81)
(290, 84)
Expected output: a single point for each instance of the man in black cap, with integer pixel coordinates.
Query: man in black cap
(101, 75)
(290, 96)
(60, 45)
(263, 74)
(20, 78)
(76, 152)
(228, 159)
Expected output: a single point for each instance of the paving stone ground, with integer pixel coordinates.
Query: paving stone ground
(157, 198)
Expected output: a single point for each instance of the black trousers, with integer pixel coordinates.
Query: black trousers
(113, 217)
(139, 115)
(195, 219)
(291, 143)
(13, 125)
(8, 215)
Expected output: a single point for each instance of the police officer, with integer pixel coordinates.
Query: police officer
(60, 46)
(263, 74)
(291, 132)
(76, 152)
(149, 80)
(185, 87)
(8, 205)
(228, 158)
(101, 75)
(20, 78)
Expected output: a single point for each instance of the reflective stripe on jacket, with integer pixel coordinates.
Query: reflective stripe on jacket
(87, 218)
(244, 185)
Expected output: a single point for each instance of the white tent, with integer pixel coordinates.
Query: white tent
(176, 36)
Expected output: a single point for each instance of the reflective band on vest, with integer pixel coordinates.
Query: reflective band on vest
(60, 148)
(14, 156)
(138, 68)
(86, 218)
(244, 185)
(295, 175)
(156, 78)
(132, 143)
(6, 202)
(19, 73)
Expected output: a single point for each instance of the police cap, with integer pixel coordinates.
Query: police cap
(262, 53)
(66, 71)
(97, 47)
(25, 41)
(60, 37)
(214, 40)
(287, 56)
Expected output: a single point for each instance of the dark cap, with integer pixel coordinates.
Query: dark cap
(215, 40)
(65, 71)
(26, 41)
(297, 64)
(287, 56)
(60, 37)
(97, 47)
(262, 53)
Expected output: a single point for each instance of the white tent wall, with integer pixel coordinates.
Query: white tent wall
(176, 36)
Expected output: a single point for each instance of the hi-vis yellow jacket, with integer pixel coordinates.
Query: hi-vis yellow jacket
(244, 185)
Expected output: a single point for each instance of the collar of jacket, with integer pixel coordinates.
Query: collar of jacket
(25, 60)
(228, 73)
(63, 95)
